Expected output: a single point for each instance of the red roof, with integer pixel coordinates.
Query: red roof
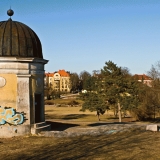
(142, 77)
(49, 74)
(62, 73)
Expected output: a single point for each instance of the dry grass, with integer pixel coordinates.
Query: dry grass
(134, 144)
(74, 114)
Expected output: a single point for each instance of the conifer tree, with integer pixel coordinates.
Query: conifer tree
(117, 87)
(94, 102)
(113, 87)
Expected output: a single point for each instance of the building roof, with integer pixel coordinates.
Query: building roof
(49, 74)
(62, 73)
(18, 40)
(142, 77)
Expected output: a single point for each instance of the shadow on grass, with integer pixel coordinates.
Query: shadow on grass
(51, 110)
(58, 126)
(153, 120)
(101, 123)
(74, 116)
(65, 117)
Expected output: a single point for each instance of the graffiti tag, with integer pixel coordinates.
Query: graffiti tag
(9, 115)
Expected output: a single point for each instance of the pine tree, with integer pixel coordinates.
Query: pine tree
(94, 102)
(118, 88)
(112, 87)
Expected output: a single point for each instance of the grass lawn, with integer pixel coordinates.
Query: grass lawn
(133, 144)
(74, 115)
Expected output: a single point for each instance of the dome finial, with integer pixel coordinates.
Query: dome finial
(10, 12)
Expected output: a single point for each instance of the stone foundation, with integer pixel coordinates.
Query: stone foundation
(7, 131)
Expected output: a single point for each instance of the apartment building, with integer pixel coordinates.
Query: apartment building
(59, 81)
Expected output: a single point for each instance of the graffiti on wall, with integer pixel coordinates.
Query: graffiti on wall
(9, 115)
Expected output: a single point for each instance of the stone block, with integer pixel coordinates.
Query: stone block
(152, 127)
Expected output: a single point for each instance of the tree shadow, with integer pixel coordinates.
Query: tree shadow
(51, 110)
(108, 123)
(65, 117)
(74, 116)
(58, 126)
(153, 120)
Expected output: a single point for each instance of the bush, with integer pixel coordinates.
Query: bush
(143, 112)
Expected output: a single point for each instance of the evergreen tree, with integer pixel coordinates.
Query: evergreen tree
(94, 102)
(113, 87)
(90, 84)
(74, 79)
(118, 87)
(84, 76)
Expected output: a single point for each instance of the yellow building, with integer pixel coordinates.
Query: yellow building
(21, 80)
(59, 81)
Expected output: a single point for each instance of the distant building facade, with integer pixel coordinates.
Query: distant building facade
(58, 81)
(144, 79)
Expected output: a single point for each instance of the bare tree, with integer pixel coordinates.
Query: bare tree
(154, 72)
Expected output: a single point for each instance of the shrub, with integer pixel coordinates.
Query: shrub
(143, 112)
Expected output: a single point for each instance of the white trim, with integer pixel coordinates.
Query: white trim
(23, 76)
(18, 59)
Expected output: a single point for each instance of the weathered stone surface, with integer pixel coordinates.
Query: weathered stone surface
(94, 131)
(152, 127)
(7, 131)
(39, 127)
(2, 82)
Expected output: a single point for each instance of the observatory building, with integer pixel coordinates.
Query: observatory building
(21, 80)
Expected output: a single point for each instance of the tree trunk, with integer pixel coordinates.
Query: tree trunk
(154, 112)
(119, 112)
(98, 116)
(115, 111)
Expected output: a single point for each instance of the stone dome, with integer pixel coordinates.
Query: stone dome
(18, 40)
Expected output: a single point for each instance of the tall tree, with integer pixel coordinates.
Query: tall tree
(74, 79)
(84, 76)
(90, 84)
(117, 88)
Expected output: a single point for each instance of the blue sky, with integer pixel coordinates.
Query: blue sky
(79, 35)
